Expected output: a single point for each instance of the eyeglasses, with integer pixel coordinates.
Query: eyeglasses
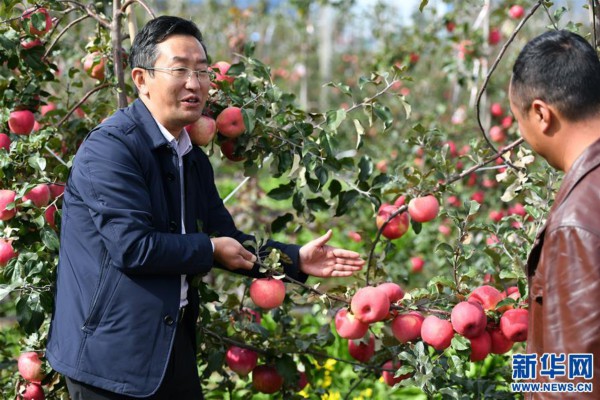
(183, 73)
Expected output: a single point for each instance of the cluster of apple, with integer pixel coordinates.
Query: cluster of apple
(420, 209)
(266, 293)
(265, 378)
(40, 196)
(35, 30)
(498, 131)
(468, 318)
(229, 123)
(30, 368)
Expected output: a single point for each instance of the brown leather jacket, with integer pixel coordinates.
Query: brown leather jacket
(564, 276)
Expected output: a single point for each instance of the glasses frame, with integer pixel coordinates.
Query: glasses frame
(201, 75)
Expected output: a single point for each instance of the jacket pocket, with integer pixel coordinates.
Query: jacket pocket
(100, 299)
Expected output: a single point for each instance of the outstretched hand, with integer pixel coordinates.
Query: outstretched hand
(319, 259)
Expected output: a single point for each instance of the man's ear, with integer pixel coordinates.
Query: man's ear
(139, 79)
(543, 115)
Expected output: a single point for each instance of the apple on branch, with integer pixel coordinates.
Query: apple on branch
(20, 122)
(266, 379)
(423, 209)
(468, 319)
(407, 327)
(94, 65)
(437, 332)
(514, 324)
(39, 195)
(4, 141)
(7, 252)
(348, 326)
(241, 361)
(369, 304)
(388, 374)
(267, 293)
(360, 350)
(397, 226)
(33, 13)
(230, 122)
(30, 367)
(481, 346)
(7, 197)
(202, 131)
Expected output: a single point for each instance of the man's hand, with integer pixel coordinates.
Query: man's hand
(320, 260)
(231, 254)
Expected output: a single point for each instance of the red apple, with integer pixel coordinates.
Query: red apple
(507, 122)
(394, 228)
(497, 134)
(496, 110)
(516, 12)
(382, 166)
(417, 264)
(4, 142)
(27, 14)
(39, 195)
(56, 190)
(266, 379)
(414, 58)
(494, 37)
(241, 360)
(32, 391)
(20, 122)
(514, 324)
(6, 252)
(370, 304)
(407, 327)
(392, 290)
(423, 209)
(46, 108)
(31, 43)
(94, 65)
(478, 196)
(267, 293)
(348, 326)
(496, 215)
(480, 346)
(500, 344)
(228, 150)
(302, 381)
(487, 296)
(450, 26)
(7, 197)
(468, 319)
(389, 375)
(230, 122)
(30, 367)
(361, 351)
(50, 215)
(220, 69)
(437, 332)
(202, 131)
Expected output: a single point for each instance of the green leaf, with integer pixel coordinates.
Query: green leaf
(50, 239)
(317, 204)
(459, 342)
(286, 367)
(280, 222)
(334, 188)
(6, 289)
(365, 166)
(335, 118)
(346, 201)
(322, 175)
(215, 361)
(282, 192)
(423, 5)
(384, 114)
(30, 313)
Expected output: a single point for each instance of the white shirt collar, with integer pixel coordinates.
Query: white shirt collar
(183, 145)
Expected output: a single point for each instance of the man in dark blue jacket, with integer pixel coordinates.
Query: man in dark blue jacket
(141, 214)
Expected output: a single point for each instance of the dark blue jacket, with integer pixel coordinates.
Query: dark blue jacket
(122, 254)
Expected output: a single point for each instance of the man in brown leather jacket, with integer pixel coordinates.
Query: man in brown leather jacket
(555, 97)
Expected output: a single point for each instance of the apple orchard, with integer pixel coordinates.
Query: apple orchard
(322, 115)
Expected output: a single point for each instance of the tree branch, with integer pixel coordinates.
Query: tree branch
(80, 102)
(140, 2)
(71, 24)
(90, 11)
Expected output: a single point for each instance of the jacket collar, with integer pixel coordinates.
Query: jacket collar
(586, 162)
(146, 121)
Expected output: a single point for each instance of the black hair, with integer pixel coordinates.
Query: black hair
(562, 69)
(143, 51)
